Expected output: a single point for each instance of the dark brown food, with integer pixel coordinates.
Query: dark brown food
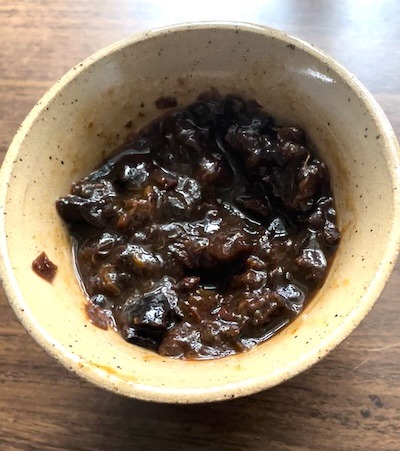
(44, 268)
(98, 316)
(206, 233)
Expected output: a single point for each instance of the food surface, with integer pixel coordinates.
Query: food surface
(205, 233)
(44, 267)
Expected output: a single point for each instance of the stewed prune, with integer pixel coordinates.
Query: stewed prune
(206, 232)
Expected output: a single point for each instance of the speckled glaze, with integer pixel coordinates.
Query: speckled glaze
(99, 102)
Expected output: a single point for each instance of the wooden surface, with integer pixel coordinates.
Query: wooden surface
(350, 400)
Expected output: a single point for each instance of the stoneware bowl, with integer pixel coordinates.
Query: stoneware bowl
(84, 117)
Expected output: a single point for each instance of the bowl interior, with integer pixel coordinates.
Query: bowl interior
(89, 112)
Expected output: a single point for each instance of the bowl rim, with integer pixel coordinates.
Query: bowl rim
(244, 386)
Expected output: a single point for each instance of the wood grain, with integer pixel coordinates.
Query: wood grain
(350, 400)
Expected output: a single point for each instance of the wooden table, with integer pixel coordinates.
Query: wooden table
(350, 400)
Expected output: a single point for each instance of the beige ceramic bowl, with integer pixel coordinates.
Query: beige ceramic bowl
(83, 118)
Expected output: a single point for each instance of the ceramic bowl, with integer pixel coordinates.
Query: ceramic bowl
(86, 114)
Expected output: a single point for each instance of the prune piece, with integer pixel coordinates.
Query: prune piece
(98, 248)
(189, 189)
(164, 179)
(95, 190)
(281, 251)
(317, 220)
(229, 313)
(331, 233)
(44, 268)
(145, 259)
(293, 297)
(139, 258)
(255, 279)
(220, 248)
(217, 333)
(108, 280)
(229, 246)
(250, 145)
(277, 276)
(87, 202)
(326, 204)
(212, 221)
(264, 311)
(179, 160)
(98, 316)
(323, 220)
(264, 245)
(191, 312)
(200, 302)
(77, 209)
(309, 181)
(180, 254)
(181, 133)
(133, 177)
(186, 197)
(294, 135)
(260, 208)
(275, 246)
(146, 339)
(259, 309)
(213, 171)
(111, 211)
(297, 187)
(105, 244)
(148, 316)
(211, 338)
(193, 254)
(291, 144)
(251, 279)
(179, 341)
(137, 211)
(312, 261)
(176, 204)
(187, 284)
(112, 280)
(259, 122)
(277, 228)
(254, 262)
(289, 152)
(282, 181)
(150, 311)
(190, 137)
(210, 333)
